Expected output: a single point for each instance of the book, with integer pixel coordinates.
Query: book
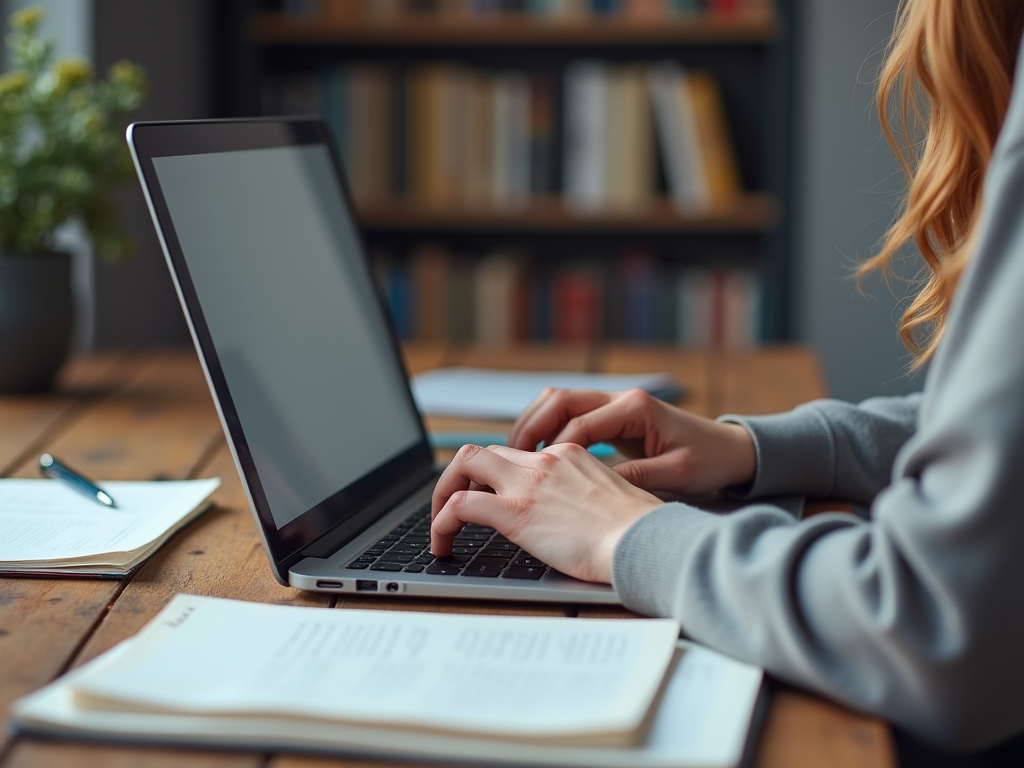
(574, 692)
(491, 394)
(497, 287)
(741, 309)
(695, 290)
(578, 302)
(511, 126)
(629, 150)
(677, 134)
(584, 153)
(430, 274)
(717, 151)
(47, 529)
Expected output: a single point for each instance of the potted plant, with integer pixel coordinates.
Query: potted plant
(61, 155)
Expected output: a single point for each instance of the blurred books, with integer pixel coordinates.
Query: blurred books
(548, 10)
(445, 135)
(507, 296)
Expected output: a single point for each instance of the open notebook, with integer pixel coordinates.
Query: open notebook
(493, 689)
(47, 529)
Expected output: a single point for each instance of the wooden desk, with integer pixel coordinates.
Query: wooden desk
(149, 415)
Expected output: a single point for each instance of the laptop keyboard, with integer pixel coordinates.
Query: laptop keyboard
(478, 552)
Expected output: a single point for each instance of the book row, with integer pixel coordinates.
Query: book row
(506, 296)
(542, 9)
(603, 136)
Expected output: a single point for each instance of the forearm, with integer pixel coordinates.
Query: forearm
(840, 606)
(829, 448)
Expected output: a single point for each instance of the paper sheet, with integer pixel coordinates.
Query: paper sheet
(497, 675)
(480, 393)
(44, 520)
(702, 722)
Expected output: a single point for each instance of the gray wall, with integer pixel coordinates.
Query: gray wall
(135, 300)
(848, 185)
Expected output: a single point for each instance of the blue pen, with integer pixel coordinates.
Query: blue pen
(50, 467)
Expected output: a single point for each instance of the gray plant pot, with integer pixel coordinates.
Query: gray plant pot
(35, 319)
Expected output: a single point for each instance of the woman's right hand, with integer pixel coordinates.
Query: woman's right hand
(667, 449)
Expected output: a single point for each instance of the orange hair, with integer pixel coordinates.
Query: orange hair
(948, 78)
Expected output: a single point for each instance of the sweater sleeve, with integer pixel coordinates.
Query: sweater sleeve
(829, 448)
(915, 614)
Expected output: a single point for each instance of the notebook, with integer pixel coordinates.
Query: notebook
(47, 529)
(593, 692)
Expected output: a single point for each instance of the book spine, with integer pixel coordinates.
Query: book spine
(430, 268)
(577, 305)
(495, 288)
(640, 297)
(586, 96)
(723, 180)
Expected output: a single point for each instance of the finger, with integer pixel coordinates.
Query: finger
(472, 464)
(617, 420)
(527, 414)
(466, 507)
(553, 414)
(665, 472)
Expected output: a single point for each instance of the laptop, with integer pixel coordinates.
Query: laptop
(258, 230)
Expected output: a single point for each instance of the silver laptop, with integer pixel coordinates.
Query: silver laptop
(260, 237)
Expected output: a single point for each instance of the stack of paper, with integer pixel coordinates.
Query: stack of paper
(490, 394)
(496, 689)
(46, 528)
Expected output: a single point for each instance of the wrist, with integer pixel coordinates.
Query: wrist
(605, 550)
(741, 455)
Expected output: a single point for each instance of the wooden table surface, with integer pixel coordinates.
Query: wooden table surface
(147, 415)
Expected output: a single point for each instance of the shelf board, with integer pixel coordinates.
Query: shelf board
(269, 28)
(751, 213)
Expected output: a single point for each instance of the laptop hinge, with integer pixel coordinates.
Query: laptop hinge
(344, 532)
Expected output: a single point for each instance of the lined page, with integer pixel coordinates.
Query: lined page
(497, 675)
(46, 521)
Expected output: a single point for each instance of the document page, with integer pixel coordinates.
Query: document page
(492, 394)
(526, 676)
(46, 521)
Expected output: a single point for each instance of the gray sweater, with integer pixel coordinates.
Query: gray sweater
(911, 614)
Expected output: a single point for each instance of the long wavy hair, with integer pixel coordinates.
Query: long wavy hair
(942, 98)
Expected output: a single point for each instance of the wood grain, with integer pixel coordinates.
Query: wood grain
(27, 754)
(160, 424)
(151, 415)
(26, 420)
(422, 356)
(767, 381)
(277, 29)
(43, 621)
(748, 213)
(219, 555)
(690, 368)
(803, 731)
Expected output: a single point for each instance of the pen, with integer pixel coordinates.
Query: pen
(50, 467)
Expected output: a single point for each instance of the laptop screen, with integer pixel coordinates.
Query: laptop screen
(279, 273)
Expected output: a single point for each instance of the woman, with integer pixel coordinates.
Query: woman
(912, 613)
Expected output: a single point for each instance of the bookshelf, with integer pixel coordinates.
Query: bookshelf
(748, 53)
(754, 213)
(275, 29)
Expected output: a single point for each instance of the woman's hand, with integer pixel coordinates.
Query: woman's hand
(560, 504)
(669, 449)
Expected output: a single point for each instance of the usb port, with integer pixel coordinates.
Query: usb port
(322, 584)
(366, 586)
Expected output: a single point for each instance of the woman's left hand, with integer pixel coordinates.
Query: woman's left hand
(560, 504)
